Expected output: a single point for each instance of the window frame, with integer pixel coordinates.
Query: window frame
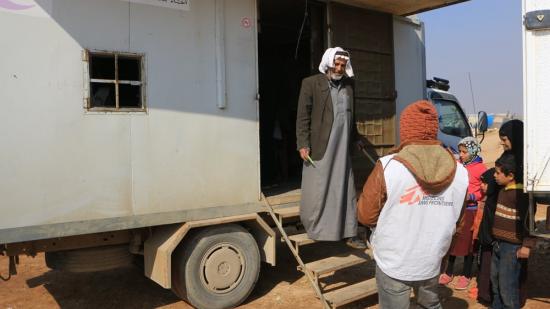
(88, 80)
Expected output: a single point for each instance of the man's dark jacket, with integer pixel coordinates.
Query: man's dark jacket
(315, 114)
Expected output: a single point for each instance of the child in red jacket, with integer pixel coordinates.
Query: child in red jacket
(469, 150)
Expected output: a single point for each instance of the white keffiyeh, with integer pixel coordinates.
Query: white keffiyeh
(328, 61)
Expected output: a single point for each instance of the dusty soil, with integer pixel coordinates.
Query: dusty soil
(35, 286)
(491, 148)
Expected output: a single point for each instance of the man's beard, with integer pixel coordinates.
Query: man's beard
(335, 76)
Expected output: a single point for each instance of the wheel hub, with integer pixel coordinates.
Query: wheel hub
(222, 268)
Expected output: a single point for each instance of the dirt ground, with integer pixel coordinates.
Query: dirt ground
(35, 286)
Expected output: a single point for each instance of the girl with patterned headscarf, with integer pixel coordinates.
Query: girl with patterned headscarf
(469, 150)
(469, 153)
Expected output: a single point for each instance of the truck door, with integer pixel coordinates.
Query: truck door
(368, 36)
(410, 62)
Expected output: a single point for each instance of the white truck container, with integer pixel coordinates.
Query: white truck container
(536, 101)
(536, 52)
(128, 124)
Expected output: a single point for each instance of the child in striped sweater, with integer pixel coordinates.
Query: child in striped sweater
(511, 237)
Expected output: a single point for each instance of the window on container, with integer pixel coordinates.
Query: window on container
(116, 81)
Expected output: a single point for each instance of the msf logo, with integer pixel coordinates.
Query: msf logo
(412, 195)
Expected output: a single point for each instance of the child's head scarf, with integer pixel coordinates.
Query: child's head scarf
(473, 147)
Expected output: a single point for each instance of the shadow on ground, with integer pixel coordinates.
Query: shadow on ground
(120, 288)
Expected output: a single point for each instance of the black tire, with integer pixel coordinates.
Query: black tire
(90, 259)
(216, 267)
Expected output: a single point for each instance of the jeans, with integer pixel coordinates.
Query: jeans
(395, 294)
(505, 271)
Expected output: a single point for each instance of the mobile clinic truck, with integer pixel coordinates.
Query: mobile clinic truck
(536, 108)
(148, 127)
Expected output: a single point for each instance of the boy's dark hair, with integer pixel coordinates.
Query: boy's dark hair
(507, 164)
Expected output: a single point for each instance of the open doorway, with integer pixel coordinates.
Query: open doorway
(289, 52)
(290, 44)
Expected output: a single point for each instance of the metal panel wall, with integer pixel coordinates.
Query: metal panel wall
(536, 91)
(410, 64)
(59, 163)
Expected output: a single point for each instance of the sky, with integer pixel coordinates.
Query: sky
(482, 38)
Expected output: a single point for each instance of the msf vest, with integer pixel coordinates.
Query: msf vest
(415, 229)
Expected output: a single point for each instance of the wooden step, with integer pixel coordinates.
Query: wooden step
(293, 196)
(351, 293)
(301, 239)
(287, 212)
(334, 263)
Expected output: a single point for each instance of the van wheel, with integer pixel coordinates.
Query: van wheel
(217, 267)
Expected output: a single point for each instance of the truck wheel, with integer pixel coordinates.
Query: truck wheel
(217, 267)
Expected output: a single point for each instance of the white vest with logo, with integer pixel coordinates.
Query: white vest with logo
(414, 229)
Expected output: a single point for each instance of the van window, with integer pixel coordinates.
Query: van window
(115, 82)
(451, 118)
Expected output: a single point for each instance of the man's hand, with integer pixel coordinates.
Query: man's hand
(304, 153)
(523, 252)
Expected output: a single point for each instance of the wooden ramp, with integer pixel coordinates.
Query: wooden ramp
(327, 266)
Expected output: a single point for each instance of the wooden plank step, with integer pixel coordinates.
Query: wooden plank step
(287, 212)
(301, 239)
(287, 198)
(351, 293)
(334, 263)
